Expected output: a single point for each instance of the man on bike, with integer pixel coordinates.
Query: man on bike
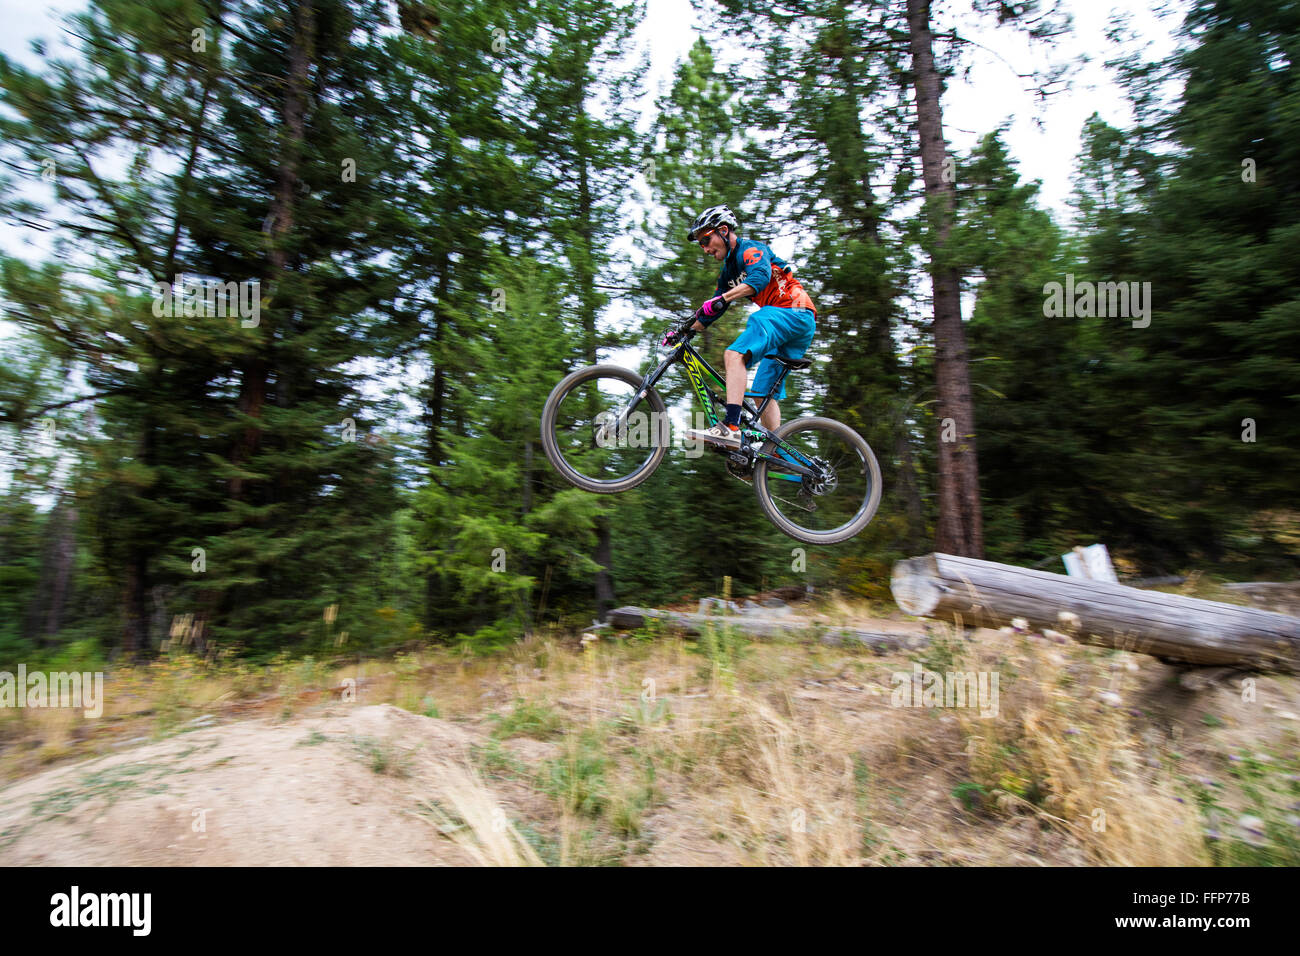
(784, 322)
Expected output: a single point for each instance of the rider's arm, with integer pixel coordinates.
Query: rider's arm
(735, 292)
(758, 266)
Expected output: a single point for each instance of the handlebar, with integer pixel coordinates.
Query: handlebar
(684, 332)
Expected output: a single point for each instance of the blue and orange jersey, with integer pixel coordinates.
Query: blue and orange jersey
(754, 263)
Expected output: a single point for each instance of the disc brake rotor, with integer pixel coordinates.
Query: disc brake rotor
(822, 485)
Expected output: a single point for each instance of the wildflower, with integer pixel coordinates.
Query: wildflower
(1252, 829)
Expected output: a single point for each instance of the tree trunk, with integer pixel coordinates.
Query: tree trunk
(136, 640)
(39, 606)
(135, 632)
(524, 564)
(438, 390)
(253, 380)
(1171, 627)
(64, 556)
(757, 627)
(604, 580)
(589, 305)
(960, 529)
(908, 487)
(434, 592)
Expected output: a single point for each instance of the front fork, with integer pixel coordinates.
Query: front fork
(618, 422)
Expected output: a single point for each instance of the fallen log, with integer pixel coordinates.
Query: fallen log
(1280, 596)
(1172, 627)
(760, 627)
(1163, 580)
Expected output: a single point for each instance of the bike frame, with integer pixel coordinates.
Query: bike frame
(702, 377)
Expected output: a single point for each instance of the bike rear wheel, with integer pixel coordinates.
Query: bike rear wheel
(825, 512)
(591, 439)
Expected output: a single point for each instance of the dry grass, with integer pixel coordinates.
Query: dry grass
(1064, 751)
(467, 811)
(662, 751)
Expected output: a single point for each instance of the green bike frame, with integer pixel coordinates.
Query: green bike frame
(792, 464)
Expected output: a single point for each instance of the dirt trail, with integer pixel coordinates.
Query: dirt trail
(342, 784)
(302, 792)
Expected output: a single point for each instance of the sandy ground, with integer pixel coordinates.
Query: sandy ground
(257, 792)
(352, 784)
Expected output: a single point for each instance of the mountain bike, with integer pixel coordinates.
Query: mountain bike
(816, 479)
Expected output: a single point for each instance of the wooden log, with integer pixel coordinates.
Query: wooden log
(1163, 580)
(1264, 586)
(759, 627)
(1280, 596)
(1171, 627)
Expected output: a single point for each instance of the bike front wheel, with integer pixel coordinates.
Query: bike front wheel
(825, 511)
(598, 435)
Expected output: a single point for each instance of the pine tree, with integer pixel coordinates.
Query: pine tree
(220, 433)
(466, 195)
(1028, 370)
(701, 155)
(583, 153)
(1213, 379)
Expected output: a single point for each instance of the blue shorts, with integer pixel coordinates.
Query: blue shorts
(788, 332)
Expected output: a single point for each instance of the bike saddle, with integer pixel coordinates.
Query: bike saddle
(792, 364)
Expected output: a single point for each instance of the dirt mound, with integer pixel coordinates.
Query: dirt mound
(342, 788)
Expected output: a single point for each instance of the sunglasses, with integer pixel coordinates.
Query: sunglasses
(704, 239)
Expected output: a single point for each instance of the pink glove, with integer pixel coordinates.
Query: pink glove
(714, 307)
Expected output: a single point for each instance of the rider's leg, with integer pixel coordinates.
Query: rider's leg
(734, 363)
(750, 346)
(793, 333)
(736, 375)
(727, 431)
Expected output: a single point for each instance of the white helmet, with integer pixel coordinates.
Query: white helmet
(710, 219)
